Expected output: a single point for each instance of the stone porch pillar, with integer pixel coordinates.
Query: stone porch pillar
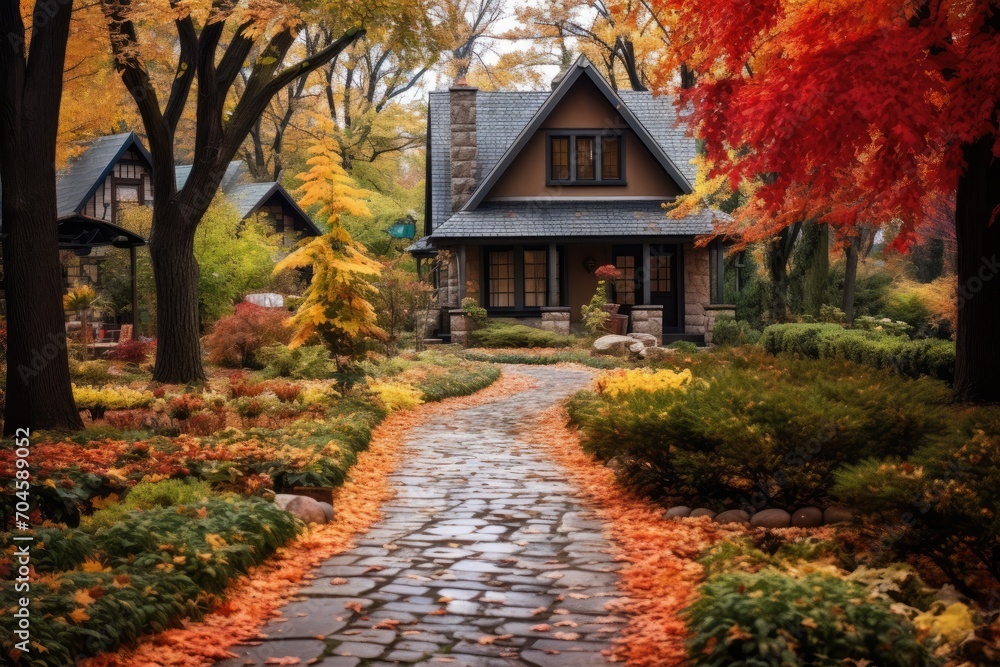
(648, 320)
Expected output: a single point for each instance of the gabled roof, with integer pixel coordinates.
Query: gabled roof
(76, 184)
(248, 197)
(582, 68)
(234, 174)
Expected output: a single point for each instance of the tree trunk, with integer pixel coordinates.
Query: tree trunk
(850, 280)
(977, 363)
(178, 349)
(39, 395)
(778, 253)
(816, 273)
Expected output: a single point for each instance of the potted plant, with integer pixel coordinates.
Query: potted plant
(81, 299)
(601, 315)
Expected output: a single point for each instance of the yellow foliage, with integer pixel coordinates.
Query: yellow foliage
(327, 183)
(620, 382)
(111, 398)
(939, 296)
(79, 298)
(952, 623)
(396, 396)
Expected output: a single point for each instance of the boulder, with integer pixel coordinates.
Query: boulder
(837, 514)
(303, 507)
(702, 511)
(808, 517)
(647, 340)
(771, 519)
(616, 345)
(327, 510)
(733, 516)
(678, 512)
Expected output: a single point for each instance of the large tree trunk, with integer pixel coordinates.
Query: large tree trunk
(778, 253)
(39, 395)
(178, 349)
(977, 365)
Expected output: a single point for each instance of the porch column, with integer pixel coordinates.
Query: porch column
(553, 275)
(645, 274)
(461, 274)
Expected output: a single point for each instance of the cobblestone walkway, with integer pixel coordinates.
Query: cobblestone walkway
(484, 541)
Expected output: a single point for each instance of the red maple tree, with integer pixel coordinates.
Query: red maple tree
(859, 112)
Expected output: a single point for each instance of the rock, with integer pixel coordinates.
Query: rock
(702, 511)
(837, 514)
(678, 512)
(733, 516)
(327, 510)
(771, 519)
(637, 348)
(808, 517)
(305, 508)
(612, 344)
(647, 340)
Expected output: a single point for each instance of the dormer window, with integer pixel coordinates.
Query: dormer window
(586, 158)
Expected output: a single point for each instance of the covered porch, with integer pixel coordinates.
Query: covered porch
(670, 287)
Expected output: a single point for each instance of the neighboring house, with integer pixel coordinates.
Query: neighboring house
(529, 192)
(113, 172)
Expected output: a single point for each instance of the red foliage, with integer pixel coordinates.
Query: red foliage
(129, 420)
(184, 406)
(846, 111)
(131, 351)
(285, 391)
(235, 340)
(608, 272)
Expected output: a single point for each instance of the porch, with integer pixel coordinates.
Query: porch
(669, 287)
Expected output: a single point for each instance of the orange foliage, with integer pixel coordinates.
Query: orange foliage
(662, 572)
(255, 599)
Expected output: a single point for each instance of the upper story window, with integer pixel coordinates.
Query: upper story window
(586, 158)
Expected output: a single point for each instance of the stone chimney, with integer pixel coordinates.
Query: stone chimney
(463, 143)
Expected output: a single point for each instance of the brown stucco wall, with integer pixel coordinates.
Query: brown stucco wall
(581, 285)
(584, 107)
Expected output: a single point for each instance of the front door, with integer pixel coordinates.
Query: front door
(627, 290)
(664, 284)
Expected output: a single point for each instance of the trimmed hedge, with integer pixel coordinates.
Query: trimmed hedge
(499, 334)
(912, 358)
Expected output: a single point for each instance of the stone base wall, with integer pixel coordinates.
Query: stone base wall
(697, 291)
(648, 320)
(555, 319)
(460, 326)
(712, 312)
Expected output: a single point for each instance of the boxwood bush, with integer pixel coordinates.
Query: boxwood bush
(911, 358)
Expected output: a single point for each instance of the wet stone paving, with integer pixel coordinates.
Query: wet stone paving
(486, 557)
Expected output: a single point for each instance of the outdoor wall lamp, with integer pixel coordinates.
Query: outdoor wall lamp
(590, 264)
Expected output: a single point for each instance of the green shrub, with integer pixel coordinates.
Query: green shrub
(308, 362)
(911, 358)
(161, 566)
(730, 331)
(770, 618)
(460, 382)
(475, 312)
(940, 502)
(512, 335)
(573, 357)
(685, 346)
(910, 308)
(760, 430)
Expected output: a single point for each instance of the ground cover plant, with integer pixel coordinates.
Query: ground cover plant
(510, 334)
(164, 498)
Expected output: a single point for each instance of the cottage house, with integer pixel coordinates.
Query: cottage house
(529, 192)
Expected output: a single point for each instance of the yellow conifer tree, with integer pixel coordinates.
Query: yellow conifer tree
(336, 307)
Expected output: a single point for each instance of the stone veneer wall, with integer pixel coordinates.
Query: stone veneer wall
(555, 319)
(463, 145)
(697, 291)
(712, 312)
(648, 320)
(459, 326)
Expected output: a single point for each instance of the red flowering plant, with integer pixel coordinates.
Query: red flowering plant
(597, 313)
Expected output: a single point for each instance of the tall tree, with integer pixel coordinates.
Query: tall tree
(859, 111)
(260, 36)
(38, 388)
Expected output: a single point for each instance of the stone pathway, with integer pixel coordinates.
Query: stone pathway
(484, 541)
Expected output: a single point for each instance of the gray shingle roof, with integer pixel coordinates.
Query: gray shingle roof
(76, 184)
(500, 118)
(572, 219)
(247, 196)
(233, 176)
